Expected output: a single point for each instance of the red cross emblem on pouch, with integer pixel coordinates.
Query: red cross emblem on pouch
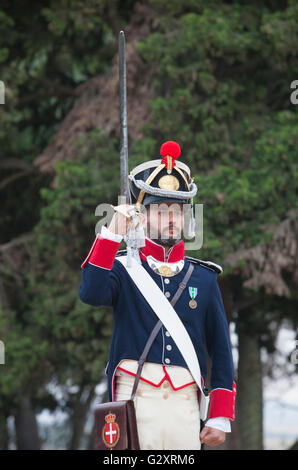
(110, 431)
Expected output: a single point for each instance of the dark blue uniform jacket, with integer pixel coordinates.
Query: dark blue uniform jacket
(106, 282)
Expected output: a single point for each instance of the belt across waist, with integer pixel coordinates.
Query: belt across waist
(156, 374)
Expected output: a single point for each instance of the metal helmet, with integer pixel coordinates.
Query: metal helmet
(163, 180)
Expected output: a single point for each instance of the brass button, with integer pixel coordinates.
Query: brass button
(166, 384)
(165, 396)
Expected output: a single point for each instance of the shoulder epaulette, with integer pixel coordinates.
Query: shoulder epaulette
(206, 264)
(121, 253)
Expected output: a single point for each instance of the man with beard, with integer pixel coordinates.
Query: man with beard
(167, 397)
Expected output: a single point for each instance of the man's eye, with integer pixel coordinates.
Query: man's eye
(170, 212)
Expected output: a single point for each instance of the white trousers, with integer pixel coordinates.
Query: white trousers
(167, 419)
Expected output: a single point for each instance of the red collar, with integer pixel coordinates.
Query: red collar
(175, 253)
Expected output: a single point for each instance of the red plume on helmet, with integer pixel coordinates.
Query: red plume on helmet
(170, 150)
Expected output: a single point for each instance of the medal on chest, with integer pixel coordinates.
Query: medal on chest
(193, 291)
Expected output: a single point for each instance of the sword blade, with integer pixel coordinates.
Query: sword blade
(123, 119)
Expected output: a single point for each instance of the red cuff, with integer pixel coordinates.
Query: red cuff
(222, 403)
(102, 253)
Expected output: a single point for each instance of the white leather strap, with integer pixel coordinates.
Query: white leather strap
(166, 313)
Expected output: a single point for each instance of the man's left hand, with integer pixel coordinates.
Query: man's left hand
(212, 436)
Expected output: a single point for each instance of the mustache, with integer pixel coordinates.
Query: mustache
(170, 227)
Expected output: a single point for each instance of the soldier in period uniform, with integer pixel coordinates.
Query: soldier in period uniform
(166, 402)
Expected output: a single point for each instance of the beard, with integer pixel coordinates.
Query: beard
(166, 241)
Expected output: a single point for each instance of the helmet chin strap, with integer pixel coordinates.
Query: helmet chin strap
(192, 222)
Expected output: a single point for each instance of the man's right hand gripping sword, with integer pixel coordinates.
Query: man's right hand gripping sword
(129, 221)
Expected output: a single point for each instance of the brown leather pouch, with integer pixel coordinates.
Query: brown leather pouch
(116, 426)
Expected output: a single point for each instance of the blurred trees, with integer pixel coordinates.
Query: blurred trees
(47, 50)
(221, 75)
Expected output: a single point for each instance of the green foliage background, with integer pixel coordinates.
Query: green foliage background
(222, 73)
